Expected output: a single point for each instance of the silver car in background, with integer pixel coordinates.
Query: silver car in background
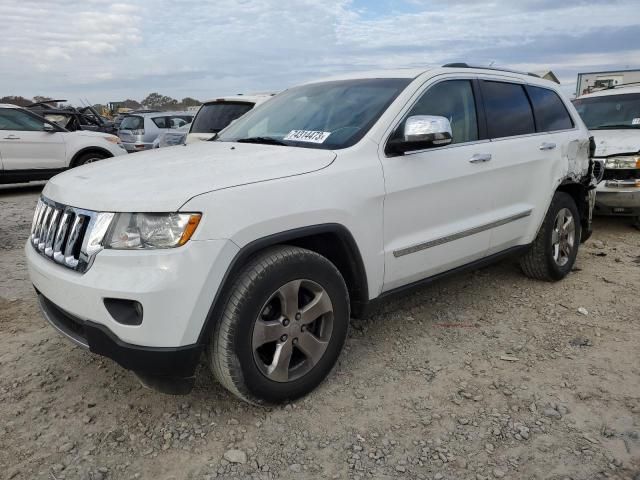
(139, 131)
(172, 137)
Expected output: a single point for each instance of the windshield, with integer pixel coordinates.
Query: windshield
(611, 111)
(213, 117)
(328, 115)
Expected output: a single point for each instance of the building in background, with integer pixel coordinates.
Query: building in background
(591, 81)
(548, 75)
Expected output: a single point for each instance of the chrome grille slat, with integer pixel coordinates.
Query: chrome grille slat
(60, 233)
(51, 229)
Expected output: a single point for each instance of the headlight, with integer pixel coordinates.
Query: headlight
(130, 231)
(623, 162)
(113, 139)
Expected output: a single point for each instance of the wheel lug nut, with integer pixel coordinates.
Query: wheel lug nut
(298, 316)
(283, 338)
(303, 328)
(285, 322)
(295, 341)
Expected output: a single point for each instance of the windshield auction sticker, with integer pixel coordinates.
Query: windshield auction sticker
(635, 121)
(310, 136)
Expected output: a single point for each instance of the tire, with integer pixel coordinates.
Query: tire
(545, 261)
(259, 326)
(89, 157)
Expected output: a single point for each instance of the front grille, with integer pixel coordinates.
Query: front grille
(622, 174)
(67, 235)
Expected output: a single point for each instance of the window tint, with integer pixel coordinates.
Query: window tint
(454, 100)
(508, 109)
(161, 122)
(213, 117)
(132, 123)
(14, 119)
(549, 110)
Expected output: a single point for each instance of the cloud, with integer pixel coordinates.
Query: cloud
(203, 48)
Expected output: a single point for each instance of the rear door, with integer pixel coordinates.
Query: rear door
(527, 156)
(25, 145)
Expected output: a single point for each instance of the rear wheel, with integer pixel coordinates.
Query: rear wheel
(283, 326)
(554, 251)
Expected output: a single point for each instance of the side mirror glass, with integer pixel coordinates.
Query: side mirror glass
(423, 131)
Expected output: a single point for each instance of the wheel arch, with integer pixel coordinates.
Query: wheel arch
(85, 150)
(333, 241)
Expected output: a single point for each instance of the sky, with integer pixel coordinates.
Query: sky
(108, 51)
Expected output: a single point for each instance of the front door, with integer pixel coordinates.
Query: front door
(25, 145)
(438, 205)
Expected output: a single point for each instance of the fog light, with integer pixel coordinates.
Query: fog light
(126, 312)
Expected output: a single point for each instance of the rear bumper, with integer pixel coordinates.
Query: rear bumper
(136, 146)
(617, 201)
(160, 361)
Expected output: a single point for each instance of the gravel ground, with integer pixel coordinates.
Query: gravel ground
(484, 375)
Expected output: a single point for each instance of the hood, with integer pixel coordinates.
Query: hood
(162, 180)
(612, 142)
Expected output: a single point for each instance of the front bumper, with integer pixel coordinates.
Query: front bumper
(179, 362)
(623, 201)
(175, 288)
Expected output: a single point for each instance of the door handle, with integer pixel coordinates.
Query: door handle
(480, 158)
(547, 146)
(11, 137)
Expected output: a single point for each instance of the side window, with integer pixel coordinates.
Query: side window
(550, 112)
(161, 122)
(454, 100)
(508, 109)
(14, 119)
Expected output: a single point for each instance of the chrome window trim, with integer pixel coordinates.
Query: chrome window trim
(459, 235)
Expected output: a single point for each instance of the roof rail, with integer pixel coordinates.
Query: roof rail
(466, 65)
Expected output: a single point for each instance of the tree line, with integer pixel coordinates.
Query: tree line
(154, 101)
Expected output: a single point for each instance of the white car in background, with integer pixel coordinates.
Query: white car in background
(613, 117)
(32, 148)
(215, 115)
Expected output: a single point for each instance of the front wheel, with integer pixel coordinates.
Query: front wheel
(283, 327)
(89, 158)
(554, 251)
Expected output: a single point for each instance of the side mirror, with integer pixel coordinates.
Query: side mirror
(422, 131)
(49, 128)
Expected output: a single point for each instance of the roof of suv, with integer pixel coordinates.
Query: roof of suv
(159, 114)
(254, 98)
(612, 91)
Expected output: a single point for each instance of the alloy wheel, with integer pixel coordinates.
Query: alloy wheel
(563, 237)
(292, 331)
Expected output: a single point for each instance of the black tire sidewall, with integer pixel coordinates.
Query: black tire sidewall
(311, 267)
(561, 200)
(83, 160)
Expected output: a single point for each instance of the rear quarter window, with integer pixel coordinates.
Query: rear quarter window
(508, 110)
(549, 110)
(161, 122)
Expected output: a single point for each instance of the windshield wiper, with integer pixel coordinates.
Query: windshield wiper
(265, 140)
(621, 126)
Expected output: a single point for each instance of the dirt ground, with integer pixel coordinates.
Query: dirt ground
(484, 375)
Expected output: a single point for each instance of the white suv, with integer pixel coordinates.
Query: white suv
(256, 248)
(32, 148)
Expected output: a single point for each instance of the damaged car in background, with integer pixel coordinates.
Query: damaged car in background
(72, 118)
(613, 117)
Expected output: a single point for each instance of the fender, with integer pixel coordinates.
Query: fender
(355, 275)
